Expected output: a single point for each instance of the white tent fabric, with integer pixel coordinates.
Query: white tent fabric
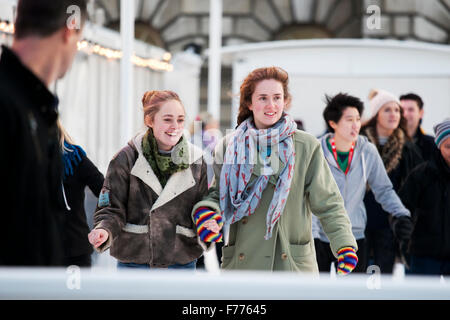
(89, 104)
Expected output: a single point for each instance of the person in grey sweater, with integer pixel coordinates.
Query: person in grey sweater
(356, 166)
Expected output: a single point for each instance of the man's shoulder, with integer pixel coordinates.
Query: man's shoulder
(10, 94)
(11, 111)
(428, 139)
(424, 136)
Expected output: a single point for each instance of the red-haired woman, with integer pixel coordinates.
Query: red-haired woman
(270, 177)
(152, 184)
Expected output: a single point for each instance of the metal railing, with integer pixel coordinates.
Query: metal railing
(75, 283)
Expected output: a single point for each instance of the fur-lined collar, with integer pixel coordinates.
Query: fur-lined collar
(177, 183)
(391, 152)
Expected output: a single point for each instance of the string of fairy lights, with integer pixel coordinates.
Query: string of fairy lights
(90, 47)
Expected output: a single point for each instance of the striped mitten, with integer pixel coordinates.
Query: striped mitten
(347, 260)
(202, 215)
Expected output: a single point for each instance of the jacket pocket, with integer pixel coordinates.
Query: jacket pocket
(303, 256)
(187, 246)
(131, 247)
(135, 228)
(227, 256)
(190, 233)
(300, 250)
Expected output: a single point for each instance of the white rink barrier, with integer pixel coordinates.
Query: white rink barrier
(74, 283)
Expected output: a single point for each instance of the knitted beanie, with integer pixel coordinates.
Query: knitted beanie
(378, 98)
(442, 132)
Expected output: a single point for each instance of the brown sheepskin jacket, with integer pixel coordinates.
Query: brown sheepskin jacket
(148, 224)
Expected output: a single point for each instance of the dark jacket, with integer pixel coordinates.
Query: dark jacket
(149, 224)
(76, 228)
(425, 144)
(408, 158)
(31, 168)
(426, 193)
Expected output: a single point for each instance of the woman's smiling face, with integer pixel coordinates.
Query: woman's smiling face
(167, 124)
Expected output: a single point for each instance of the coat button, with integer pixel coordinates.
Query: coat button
(241, 257)
(284, 256)
(244, 220)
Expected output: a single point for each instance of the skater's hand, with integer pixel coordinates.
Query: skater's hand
(347, 260)
(403, 228)
(208, 224)
(212, 226)
(97, 237)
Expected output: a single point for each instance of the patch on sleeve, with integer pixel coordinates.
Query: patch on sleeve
(103, 199)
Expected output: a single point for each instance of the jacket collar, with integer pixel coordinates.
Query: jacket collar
(358, 152)
(177, 183)
(326, 152)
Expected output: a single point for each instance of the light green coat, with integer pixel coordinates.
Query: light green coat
(291, 247)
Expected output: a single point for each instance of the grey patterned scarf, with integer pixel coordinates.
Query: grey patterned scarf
(238, 198)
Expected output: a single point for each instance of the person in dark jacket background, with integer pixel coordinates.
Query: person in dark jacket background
(79, 173)
(42, 51)
(412, 106)
(426, 193)
(387, 131)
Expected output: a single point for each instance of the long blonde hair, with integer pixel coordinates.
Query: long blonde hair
(63, 136)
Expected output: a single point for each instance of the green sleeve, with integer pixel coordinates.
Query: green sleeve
(211, 199)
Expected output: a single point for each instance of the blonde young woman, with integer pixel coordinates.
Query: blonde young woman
(152, 184)
(79, 172)
(270, 177)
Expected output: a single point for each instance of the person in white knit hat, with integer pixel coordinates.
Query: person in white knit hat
(378, 98)
(387, 130)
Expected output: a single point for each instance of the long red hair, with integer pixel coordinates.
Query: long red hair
(250, 82)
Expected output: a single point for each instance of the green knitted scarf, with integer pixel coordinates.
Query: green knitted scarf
(164, 165)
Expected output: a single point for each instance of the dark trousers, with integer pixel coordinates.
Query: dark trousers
(83, 260)
(201, 260)
(429, 266)
(381, 249)
(325, 256)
